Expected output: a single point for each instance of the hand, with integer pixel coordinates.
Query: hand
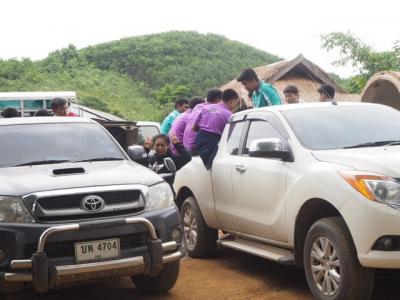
(148, 143)
(175, 140)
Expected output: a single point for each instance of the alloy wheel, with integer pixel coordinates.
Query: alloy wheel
(189, 229)
(325, 266)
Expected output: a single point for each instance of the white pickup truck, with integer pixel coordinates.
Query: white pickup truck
(313, 185)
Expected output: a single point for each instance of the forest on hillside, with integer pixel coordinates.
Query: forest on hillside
(137, 78)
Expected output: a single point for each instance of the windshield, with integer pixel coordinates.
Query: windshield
(55, 143)
(342, 126)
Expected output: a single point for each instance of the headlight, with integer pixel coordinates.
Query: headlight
(159, 196)
(12, 210)
(374, 187)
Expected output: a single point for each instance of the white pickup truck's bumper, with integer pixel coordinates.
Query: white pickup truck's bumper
(368, 221)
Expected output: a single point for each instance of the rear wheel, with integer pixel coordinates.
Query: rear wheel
(161, 283)
(331, 265)
(199, 239)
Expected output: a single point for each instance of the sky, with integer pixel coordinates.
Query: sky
(34, 28)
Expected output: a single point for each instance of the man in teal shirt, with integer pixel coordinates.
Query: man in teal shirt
(263, 94)
(181, 105)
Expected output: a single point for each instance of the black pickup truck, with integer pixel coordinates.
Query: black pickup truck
(74, 207)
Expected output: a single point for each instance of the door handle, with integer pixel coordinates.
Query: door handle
(240, 167)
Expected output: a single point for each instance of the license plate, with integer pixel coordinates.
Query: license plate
(97, 250)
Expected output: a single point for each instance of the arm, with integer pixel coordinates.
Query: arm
(272, 94)
(148, 145)
(184, 155)
(166, 125)
(196, 121)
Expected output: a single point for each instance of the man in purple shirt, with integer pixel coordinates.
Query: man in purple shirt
(179, 125)
(189, 136)
(211, 123)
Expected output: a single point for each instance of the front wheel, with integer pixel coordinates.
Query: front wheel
(331, 265)
(161, 283)
(199, 239)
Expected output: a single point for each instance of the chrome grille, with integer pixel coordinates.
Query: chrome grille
(68, 207)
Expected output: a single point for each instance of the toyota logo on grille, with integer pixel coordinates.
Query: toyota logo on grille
(92, 203)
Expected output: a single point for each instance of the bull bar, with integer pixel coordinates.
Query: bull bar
(36, 269)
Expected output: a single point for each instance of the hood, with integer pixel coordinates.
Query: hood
(384, 160)
(20, 181)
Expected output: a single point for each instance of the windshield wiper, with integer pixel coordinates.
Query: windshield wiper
(374, 144)
(43, 162)
(99, 159)
(394, 143)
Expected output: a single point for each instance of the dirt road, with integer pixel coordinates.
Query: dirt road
(229, 276)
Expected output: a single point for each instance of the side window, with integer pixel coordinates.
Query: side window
(234, 134)
(259, 130)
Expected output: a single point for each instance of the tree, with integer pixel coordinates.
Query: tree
(362, 56)
(95, 103)
(169, 93)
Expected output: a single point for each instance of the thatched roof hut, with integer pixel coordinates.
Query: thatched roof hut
(383, 88)
(301, 72)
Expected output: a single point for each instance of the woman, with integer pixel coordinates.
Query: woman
(160, 144)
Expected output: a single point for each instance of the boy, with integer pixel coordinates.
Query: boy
(181, 105)
(210, 124)
(263, 94)
(189, 135)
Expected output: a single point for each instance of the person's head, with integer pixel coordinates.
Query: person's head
(249, 79)
(161, 144)
(291, 93)
(326, 93)
(182, 105)
(195, 101)
(10, 112)
(59, 106)
(42, 113)
(230, 98)
(214, 96)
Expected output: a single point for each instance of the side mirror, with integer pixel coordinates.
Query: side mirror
(271, 148)
(136, 152)
(170, 165)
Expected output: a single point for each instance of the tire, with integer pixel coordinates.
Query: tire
(338, 266)
(160, 283)
(199, 239)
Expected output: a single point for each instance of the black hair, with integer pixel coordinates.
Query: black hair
(247, 75)
(291, 89)
(328, 90)
(214, 95)
(195, 101)
(162, 136)
(229, 94)
(58, 102)
(42, 113)
(10, 112)
(180, 102)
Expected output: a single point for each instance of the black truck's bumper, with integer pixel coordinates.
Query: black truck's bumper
(146, 244)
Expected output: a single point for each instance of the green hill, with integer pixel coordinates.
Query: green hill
(197, 61)
(136, 77)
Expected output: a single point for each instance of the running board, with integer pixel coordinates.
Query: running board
(277, 254)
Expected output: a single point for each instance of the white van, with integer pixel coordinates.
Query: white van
(27, 103)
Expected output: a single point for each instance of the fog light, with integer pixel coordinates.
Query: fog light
(387, 243)
(177, 234)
